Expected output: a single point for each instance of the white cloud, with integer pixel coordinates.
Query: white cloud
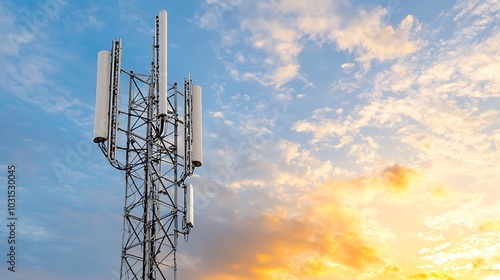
(372, 39)
(217, 115)
(474, 17)
(344, 85)
(279, 30)
(210, 19)
(468, 251)
(347, 65)
(436, 102)
(366, 151)
(290, 150)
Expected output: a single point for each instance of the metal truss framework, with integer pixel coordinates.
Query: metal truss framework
(155, 155)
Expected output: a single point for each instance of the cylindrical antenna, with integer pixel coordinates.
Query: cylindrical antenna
(197, 126)
(163, 67)
(102, 97)
(190, 206)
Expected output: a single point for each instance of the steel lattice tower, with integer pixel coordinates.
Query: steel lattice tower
(157, 148)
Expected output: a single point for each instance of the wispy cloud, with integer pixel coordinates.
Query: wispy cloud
(342, 140)
(278, 32)
(420, 135)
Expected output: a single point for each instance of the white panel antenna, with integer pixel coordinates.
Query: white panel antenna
(163, 65)
(190, 206)
(197, 126)
(102, 97)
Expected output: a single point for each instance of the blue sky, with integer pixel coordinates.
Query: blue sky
(342, 139)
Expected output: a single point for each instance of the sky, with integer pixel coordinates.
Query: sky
(342, 139)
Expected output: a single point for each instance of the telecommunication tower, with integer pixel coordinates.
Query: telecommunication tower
(155, 140)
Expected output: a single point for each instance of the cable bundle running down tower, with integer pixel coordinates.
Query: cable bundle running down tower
(156, 143)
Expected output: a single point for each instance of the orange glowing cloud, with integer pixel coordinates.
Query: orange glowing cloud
(359, 228)
(490, 226)
(394, 179)
(432, 276)
(397, 177)
(439, 191)
(317, 237)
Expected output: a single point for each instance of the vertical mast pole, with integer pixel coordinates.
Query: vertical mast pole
(176, 182)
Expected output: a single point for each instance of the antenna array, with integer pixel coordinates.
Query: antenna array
(156, 143)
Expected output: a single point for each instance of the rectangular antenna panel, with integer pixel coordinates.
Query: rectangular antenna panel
(163, 67)
(197, 126)
(102, 97)
(190, 206)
